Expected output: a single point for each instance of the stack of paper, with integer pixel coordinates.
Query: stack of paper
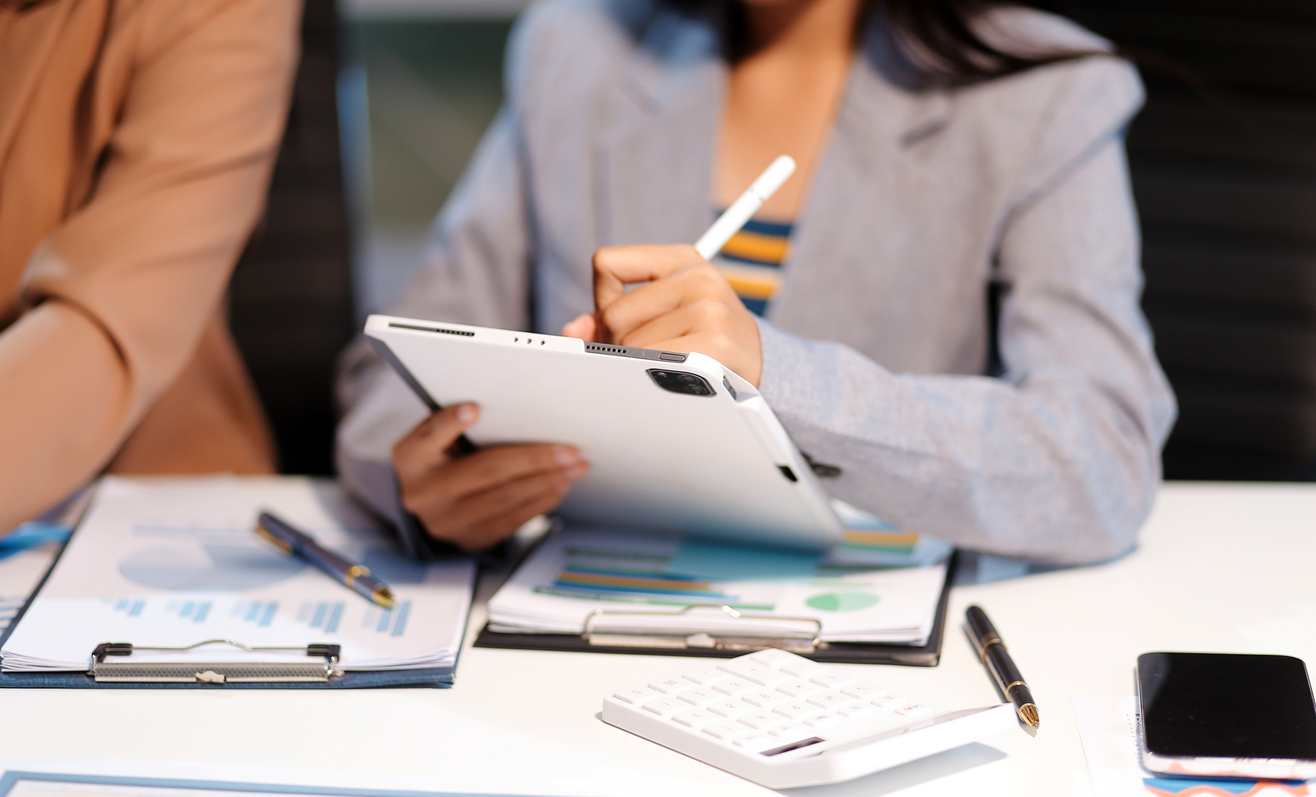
(173, 562)
(882, 585)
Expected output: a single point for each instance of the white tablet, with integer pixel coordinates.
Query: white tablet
(675, 441)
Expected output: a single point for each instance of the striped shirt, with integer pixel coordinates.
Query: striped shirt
(751, 262)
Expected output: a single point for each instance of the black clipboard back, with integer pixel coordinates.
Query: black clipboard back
(926, 655)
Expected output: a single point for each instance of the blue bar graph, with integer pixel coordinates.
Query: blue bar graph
(260, 613)
(389, 621)
(400, 626)
(322, 615)
(130, 606)
(196, 611)
(334, 618)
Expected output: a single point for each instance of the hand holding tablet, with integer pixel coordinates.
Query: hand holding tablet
(475, 500)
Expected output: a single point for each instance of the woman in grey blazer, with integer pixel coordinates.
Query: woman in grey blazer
(957, 328)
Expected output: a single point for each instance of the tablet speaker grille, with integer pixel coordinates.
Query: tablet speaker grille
(461, 332)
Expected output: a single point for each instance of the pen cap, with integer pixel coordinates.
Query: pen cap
(980, 628)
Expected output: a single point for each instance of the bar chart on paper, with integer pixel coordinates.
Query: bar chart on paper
(165, 564)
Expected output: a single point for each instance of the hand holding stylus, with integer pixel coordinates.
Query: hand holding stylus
(685, 304)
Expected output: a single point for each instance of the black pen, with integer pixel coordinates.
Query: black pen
(998, 662)
(355, 577)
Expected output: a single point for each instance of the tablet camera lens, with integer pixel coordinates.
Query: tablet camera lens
(685, 384)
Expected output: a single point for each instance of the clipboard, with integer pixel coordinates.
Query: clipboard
(730, 645)
(109, 668)
(253, 674)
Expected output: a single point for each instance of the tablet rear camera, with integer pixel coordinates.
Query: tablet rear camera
(680, 382)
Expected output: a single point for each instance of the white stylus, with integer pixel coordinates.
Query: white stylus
(730, 222)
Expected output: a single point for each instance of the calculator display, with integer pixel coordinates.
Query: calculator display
(1215, 705)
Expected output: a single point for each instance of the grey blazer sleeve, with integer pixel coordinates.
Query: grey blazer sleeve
(477, 273)
(1058, 459)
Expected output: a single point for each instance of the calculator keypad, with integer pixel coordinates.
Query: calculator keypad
(784, 721)
(768, 699)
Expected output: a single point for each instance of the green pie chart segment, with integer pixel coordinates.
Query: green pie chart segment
(841, 601)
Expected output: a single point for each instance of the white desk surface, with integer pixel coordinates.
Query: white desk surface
(1224, 568)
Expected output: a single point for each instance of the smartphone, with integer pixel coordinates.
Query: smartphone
(1226, 715)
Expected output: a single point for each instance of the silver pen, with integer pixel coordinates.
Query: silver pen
(354, 577)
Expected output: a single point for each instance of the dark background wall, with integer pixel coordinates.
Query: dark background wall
(290, 302)
(1226, 189)
(1225, 183)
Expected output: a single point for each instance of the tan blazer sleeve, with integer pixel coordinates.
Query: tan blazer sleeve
(120, 293)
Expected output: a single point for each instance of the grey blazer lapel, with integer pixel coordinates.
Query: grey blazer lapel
(656, 150)
(870, 169)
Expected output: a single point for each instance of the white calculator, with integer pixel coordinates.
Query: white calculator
(783, 721)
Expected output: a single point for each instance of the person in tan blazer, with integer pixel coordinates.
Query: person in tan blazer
(137, 139)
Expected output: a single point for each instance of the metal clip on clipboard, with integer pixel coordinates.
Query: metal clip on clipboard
(702, 627)
(106, 671)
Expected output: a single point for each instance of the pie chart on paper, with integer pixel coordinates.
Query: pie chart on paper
(841, 601)
(212, 567)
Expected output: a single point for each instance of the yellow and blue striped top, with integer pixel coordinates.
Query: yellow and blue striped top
(751, 261)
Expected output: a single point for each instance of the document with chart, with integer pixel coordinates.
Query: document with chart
(882, 585)
(171, 562)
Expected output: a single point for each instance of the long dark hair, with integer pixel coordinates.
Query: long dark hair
(941, 35)
(938, 36)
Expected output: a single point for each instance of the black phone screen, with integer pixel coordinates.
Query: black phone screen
(1226, 705)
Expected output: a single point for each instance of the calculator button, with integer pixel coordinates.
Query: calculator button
(764, 698)
(863, 690)
(829, 700)
(889, 700)
(856, 710)
(734, 686)
(635, 696)
(756, 741)
(913, 709)
(664, 706)
(798, 688)
(772, 657)
(831, 680)
(801, 668)
(695, 718)
(790, 732)
(794, 710)
(699, 696)
(725, 730)
(704, 677)
(761, 674)
(670, 686)
(729, 708)
(761, 720)
(824, 719)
